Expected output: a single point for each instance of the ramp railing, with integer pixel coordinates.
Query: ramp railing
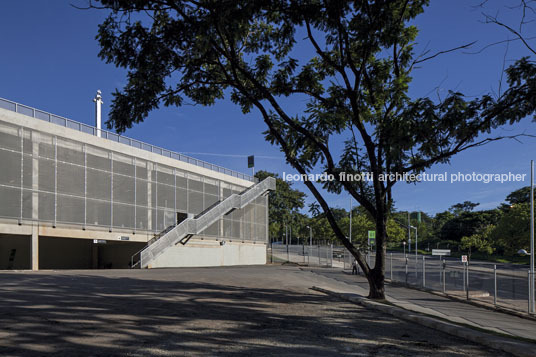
(193, 226)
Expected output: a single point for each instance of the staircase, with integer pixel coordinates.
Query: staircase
(182, 232)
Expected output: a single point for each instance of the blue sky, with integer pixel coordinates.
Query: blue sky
(49, 61)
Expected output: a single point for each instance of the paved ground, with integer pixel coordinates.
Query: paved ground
(512, 282)
(235, 311)
(439, 306)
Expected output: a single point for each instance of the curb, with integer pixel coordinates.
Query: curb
(485, 305)
(517, 348)
(482, 304)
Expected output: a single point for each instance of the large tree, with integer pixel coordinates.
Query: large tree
(285, 204)
(513, 229)
(354, 82)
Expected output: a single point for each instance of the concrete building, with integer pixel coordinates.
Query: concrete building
(75, 196)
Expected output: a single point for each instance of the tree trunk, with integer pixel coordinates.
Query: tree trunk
(376, 284)
(376, 277)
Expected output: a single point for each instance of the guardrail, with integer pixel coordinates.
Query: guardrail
(195, 225)
(88, 129)
(496, 285)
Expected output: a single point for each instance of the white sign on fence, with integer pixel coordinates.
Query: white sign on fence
(440, 251)
(464, 258)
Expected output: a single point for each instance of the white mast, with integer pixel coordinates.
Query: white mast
(98, 112)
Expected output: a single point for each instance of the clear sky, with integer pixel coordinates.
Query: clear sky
(49, 61)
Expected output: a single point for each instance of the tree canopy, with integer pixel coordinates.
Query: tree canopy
(285, 204)
(355, 85)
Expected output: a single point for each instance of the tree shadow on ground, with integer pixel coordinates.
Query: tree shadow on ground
(84, 314)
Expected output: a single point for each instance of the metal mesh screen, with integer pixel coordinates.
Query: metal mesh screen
(72, 182)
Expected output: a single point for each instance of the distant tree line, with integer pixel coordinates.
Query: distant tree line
(501, 231)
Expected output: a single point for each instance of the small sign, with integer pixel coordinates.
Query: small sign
(123, 238)
(464, 258)
(99, 241)
(372, 234)
(251, 161)
(440, 251)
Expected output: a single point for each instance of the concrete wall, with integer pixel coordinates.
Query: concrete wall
(22, 244)
(202, 253)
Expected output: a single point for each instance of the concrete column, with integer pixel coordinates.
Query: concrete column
(267, 220)
(35, 246)
(35, 201)
(222, 230)
(35, 176)
(149, 197)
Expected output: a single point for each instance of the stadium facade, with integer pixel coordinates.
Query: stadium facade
(78, 197)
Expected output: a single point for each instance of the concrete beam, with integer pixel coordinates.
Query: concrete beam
(11, 227)
(91, 234)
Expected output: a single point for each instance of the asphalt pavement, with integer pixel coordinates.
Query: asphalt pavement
(438, 306)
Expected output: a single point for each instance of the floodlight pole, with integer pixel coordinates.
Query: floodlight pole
(531, 285)
(409, 232)
(416, 251)
(350, 229)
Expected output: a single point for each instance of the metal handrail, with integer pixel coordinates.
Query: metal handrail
(68, 123)
(224, 206)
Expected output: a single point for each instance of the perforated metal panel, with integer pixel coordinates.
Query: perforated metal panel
(78, 183)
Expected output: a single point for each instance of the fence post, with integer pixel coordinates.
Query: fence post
(441, 271)
(319, 262)
(406, 270)
(271, 251)
(423, 271)
(530, 295)
(531, 292)
(444, 267)
(331, 255)
(467, 280)
(495, 284)
(391, 267)
(463, 276)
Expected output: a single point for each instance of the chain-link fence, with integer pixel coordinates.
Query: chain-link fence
(502, 285)
(302, 254)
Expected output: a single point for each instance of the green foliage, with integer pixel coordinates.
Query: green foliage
(460, 208)
(512, 231)
(395, 233)
(355, 86)
(519, 196)
(284, 205)
(480, 241)
(361, 224)
(468, 223)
